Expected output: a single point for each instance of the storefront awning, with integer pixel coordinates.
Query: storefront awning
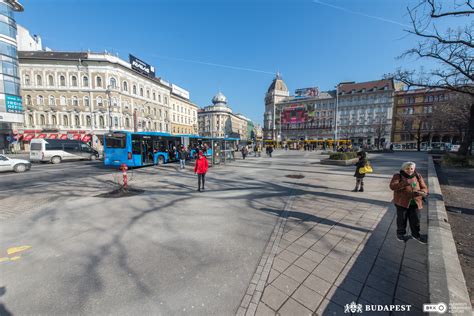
(53, 136)
(77, 137)
(63, 136)
(41, 136)
(86, 138)
(28, 137)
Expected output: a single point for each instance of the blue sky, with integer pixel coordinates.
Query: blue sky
(311, 43)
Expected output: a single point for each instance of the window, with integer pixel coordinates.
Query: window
(74, 101)
(42, 120)
(154, 96)
(148, 94)
(114, 101)
(30, 119)
(98, 81)
(166, 100)
(39, 100)
(54, 120)
(77, 121)
(125, 86)
(101, 121)
(62, 100)
(134, 89)
(141, 92)
(74, 81)
(127, 122)
(86, 101)
(28, 100)
(50, 80)
(51, 100)
(27, 80)
(99, 101)
(65, 120)
(39, 80)
(88, 120)
(159, 98)
(85, 81)
(62, 81)
(113, 83)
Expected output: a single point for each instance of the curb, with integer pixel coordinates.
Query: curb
(445, 277)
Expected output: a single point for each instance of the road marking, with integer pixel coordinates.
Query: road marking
(4, 259)
(15, 258)
(13, 250)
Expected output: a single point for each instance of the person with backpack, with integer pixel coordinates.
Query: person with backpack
(409, 190)
(200, 168)
(360, 176)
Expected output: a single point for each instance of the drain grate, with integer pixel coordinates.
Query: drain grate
(295, 176)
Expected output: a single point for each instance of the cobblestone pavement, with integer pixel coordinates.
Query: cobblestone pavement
(333, 247)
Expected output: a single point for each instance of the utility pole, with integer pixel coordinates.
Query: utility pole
(335, 123)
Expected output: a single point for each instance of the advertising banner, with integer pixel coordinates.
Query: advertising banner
(294, 114)
(142, 67)
(306, 93)
(13, 104)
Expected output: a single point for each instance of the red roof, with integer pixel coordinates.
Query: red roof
(368, 86)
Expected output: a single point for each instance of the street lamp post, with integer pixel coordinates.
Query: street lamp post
(335, 123)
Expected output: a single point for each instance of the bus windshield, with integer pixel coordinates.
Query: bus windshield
(115, 140)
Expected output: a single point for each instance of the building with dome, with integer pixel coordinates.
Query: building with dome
(217, 120)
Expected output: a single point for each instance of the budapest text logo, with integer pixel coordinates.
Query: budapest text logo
(359, 308)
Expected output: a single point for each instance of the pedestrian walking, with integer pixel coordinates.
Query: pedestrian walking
(200, 168)
(409, 190)
(244, 152)
(270, 150)
(182, 157)
(360, 176)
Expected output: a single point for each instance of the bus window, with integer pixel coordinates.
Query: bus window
(115, 141)
(136, 147)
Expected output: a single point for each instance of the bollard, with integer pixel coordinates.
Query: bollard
(124, 174)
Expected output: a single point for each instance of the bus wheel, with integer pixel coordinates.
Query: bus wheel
(56, 159)
(161, 160)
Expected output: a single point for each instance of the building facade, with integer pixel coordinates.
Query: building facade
(183, 113)
(11, 109)
(217, 120)
(414, 119)
(88, 94)
(365, 111)
(276, 93)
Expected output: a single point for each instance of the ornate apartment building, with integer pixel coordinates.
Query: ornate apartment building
(84, 95)
(183, 113)
(365, 111)
(217, 120)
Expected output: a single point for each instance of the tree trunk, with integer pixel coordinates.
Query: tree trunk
(469, 135)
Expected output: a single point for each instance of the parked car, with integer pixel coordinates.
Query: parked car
(455, 148)
(17, 165)
(57, 150)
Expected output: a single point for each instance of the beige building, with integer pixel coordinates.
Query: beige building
(217, 120)
(183, 113)
(88, 94)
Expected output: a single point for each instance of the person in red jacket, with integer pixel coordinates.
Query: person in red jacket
(200, 168)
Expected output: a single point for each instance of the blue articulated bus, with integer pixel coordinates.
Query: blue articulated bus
(138, 149)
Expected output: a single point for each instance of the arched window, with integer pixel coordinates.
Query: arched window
(99, 101)
(54, 121)
(85, 81)
(39, 100)
(159, 98)
(86, 101)
(62, 100)
(114, 101)
(127, 122)
(113, 82)
(166, 100)
(39, 80)
(74, 101)
(50, 80)
(74, 81)
(148, 94)
(125, 86)
(101, 121)
(62, 81)
(42, 120)
(28, 100)
(77, 120)
(154, 95)
(65, 120)
(30, 119)
(51, 100)
(88, 120)
(134, 89)
(148, 110)
(141, 92)
(155, 126)
(98, 81)
(27, 80)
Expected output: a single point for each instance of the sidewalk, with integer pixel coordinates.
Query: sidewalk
(334, 247)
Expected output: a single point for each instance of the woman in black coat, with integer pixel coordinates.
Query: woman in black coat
(360, 176)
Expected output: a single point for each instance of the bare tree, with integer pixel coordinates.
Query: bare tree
(417, 125)
(379, 128)
(451, 49)
(453, 115)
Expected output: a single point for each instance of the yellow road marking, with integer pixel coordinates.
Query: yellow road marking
(15, 258)
(4, 259)
(13, 250)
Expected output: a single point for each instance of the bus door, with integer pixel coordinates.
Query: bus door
(147, 150)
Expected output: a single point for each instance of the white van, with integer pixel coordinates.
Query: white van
(57, 150)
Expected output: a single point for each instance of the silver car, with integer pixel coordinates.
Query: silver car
(17, 165)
